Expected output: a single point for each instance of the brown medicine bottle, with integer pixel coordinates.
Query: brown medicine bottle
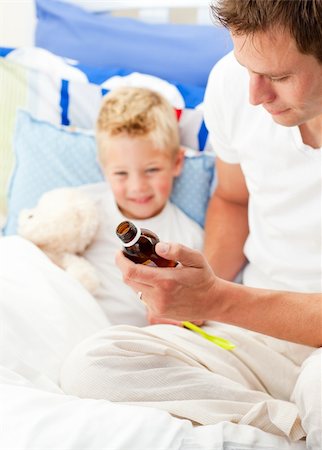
(139, 245)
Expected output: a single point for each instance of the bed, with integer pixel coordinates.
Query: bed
(50, 97)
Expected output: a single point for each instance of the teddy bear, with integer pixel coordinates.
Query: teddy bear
(63, 224)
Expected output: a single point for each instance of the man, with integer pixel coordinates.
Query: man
(263, 109)
(267, 204)
(265, 214)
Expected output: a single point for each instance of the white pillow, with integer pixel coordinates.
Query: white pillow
(44, 312)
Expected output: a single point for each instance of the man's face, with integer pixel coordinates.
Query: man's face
(287, 83)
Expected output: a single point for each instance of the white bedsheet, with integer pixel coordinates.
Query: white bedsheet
(43, 314)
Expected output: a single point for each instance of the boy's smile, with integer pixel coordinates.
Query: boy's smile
(141, 201)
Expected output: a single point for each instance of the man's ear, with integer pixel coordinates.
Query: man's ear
(179, 160)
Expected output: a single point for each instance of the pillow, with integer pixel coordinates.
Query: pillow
(56, 91)
(44, 312)
(62, 68)
(181, 53)
(13, 93)
(25, 87)
(48, 157)
(192, 189)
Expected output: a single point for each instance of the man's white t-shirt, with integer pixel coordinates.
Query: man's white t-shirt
(283, 177)
(119, 302)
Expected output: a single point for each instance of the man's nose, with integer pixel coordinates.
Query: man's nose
(260, 90)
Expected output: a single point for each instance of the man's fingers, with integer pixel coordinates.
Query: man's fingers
(135, 274)
(178, 252)
(155, 320)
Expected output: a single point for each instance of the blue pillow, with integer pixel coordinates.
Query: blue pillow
(191, 190)
(48, 157)
(178, 53)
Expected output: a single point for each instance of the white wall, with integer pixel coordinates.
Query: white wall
(101, 5)
(17, 22)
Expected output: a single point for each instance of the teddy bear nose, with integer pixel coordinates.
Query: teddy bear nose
(30, 216)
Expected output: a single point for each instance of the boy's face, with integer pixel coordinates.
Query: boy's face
(287, 83)
(140, 175)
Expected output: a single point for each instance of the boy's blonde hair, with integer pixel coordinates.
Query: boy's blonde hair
(137, 112)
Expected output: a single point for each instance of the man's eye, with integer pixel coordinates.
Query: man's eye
(278, 79)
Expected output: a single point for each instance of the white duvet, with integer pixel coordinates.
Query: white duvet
(43, 314)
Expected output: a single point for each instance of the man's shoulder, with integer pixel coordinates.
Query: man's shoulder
(227, 85)
(228, 69)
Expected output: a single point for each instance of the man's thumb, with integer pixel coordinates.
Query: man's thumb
(177, 252)
(162, 249)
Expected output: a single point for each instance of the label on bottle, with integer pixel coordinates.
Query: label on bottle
(150, 263)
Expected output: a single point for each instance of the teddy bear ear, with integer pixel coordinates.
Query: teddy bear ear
(24, 216)
(28, 224)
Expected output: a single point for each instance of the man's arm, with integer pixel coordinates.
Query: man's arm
(191, 291)
(292, 316)
(226, 227)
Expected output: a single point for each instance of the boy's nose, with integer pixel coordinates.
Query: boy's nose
(137, 183)
(260, 90)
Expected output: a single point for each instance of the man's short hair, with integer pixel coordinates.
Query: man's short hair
(301, 18)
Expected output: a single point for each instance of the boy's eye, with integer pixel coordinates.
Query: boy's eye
(152, 169)
(120, 173)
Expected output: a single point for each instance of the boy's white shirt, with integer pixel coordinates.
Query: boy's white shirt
(283, 176)
(119, 302)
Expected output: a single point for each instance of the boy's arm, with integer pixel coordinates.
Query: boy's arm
(226, 227)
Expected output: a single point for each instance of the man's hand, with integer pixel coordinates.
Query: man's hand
(185, 292)
(154, 320)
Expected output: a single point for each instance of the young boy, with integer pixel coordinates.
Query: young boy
(140, 155)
